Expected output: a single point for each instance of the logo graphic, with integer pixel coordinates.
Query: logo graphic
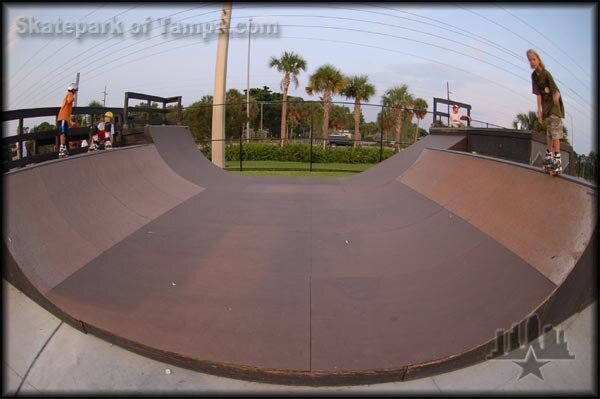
(518, 346)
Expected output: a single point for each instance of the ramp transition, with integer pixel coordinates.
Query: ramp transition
(406, 270)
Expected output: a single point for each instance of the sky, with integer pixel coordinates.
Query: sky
(477, 50)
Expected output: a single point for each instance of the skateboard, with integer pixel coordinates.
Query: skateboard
(549, 169)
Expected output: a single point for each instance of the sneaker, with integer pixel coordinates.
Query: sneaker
(92, 147)
(108, 145)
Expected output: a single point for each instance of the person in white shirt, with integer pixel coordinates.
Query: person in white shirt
(455, 117)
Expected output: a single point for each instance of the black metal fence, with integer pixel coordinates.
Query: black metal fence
(314, 136)
(43, 143)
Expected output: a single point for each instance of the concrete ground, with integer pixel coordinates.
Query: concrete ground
(44, 356)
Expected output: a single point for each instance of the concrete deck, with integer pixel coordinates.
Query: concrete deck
(45, 356)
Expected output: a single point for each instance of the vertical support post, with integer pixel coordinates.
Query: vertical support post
(312, 119)
(165, 113)
(241, 152)
(125, 120)
(261, 116)
(469, 115)
(20, 143)
(448, 93)
(218, 115)
(179, 110)
(77, 82)
(381, 135)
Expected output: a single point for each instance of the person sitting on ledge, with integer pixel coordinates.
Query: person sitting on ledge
(455, 117)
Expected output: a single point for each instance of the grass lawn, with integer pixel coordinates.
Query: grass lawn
(319, 169)
(291, 173)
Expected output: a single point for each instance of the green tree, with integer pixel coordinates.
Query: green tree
(43, 127)
(290, 64)
(328, 80)
(94, 118)
(370, 130)
(299, 116)
(340, 117)
(198, 116)
(529, 121)
(420, 110)
(586, 167)
(398, 99)
(235, 112)
(271, 112)
(359, 89)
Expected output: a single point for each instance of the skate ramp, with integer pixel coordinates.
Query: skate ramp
(406, 270)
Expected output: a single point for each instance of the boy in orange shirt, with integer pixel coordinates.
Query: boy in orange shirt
(64, 117)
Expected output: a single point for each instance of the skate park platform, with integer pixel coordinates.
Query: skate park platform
(406, 270)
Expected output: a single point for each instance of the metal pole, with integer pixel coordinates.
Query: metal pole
(311, 135)
(218, 116)
(448, 94)
(20, 143)
(77, 83)
(381, 137)
(572, 132)
(248, 84)
(261, 116)
(241, 151)
(125, 121)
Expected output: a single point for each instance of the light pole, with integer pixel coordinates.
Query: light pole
(572, 132)
(248, 84)
(218, 111)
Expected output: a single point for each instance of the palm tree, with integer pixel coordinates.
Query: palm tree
(529, 121)
(290, 64)
(420, 109)
(398, 98)
(329, 81)
(359, 89)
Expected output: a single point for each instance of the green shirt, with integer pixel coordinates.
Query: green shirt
(545, 86)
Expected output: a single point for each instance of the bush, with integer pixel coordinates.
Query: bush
(300, 152)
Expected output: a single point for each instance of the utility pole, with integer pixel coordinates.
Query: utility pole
(105, 94)
(248, 84)
(218, 115)
(77, 83)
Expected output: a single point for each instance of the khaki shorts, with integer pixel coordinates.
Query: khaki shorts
(554, 127)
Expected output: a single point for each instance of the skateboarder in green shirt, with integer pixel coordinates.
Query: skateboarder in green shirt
(550, 109)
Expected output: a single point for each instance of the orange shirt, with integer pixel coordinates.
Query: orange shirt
(66, 108)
